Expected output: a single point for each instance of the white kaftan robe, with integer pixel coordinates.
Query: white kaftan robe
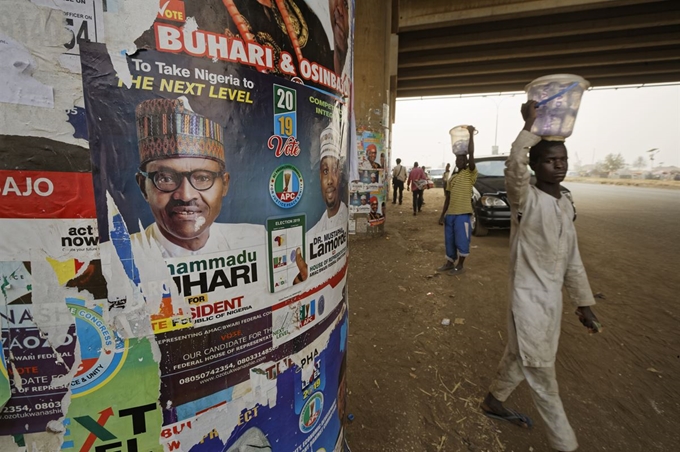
(544, 256)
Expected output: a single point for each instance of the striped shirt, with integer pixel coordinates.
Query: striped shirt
(460, 186)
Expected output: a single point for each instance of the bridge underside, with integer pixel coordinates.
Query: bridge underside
(488, 46)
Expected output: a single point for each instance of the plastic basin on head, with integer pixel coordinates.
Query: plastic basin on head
(460, 139)
(559, 98)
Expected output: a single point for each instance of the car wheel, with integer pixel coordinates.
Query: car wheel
(478, 230)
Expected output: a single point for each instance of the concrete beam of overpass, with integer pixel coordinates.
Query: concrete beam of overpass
(562, 62)
(516, 87)
(586, 43)
(526, 29)
(419, 14)
(484, 46)
(594, 73)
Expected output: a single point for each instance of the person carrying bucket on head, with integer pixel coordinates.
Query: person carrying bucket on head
(457, 209)
(544, 257)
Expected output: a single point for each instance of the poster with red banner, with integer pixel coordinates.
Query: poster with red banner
(47, 201)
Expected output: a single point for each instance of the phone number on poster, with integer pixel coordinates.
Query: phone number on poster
(24, 408)
(254, 356)
(206, 374)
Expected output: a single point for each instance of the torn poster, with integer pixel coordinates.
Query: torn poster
(17, 85)
(85, 22)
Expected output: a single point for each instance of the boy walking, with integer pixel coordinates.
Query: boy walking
(544, 256)
(458, 209)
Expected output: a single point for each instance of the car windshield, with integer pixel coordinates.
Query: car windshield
(494, 168)
(437, 172)
(490, 168)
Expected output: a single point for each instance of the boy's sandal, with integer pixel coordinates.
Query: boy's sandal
(513, 417)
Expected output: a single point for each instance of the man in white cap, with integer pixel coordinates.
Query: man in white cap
(330, 175)
(182, 175)
(336, 215)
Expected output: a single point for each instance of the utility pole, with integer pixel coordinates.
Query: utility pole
(494, 148)
(443, 146)
(652, 153)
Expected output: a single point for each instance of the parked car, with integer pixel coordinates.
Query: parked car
(436, 176)
(489, 200)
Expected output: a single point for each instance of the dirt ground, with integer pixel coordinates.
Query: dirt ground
(415, 384)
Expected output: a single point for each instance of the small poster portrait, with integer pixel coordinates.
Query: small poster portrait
(376, 207)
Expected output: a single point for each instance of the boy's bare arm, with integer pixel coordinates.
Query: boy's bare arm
(529, 114)
(446, 206)
(517, 176)
(471, 148)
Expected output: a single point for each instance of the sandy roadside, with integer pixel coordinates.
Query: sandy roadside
(672, 184)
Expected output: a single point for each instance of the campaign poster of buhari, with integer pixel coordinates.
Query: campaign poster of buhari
(220, 181)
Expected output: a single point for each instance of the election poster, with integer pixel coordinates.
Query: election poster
(219, 167)
(368, 194)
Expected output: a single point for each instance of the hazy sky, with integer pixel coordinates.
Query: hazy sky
(626, 120)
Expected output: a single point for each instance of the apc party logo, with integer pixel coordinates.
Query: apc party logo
(103, 352)
(286, 186)
(311, 412)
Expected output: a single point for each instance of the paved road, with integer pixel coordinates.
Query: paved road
(633, 230)
(629, 239)
(640, 221)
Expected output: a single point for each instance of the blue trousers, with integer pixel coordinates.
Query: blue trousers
(457, 233)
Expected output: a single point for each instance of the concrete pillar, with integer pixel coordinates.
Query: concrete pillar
(374, 95)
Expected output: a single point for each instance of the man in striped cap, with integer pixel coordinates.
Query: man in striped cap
(182, 175)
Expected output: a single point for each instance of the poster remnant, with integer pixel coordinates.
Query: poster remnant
(18, 86)
(5, 388)
(84, 19)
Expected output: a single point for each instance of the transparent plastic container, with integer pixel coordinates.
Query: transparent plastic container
(559, 98)
(460, 139)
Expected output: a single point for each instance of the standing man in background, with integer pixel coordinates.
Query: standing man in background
(398, 179)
